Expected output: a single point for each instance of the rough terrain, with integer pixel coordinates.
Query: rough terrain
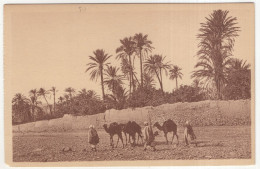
(213, 142)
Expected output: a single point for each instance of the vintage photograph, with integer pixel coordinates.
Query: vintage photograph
(171, 84)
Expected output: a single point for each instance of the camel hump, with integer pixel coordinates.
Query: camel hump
(114, 124)
(171, 123)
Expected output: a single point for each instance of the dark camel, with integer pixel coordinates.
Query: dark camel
(132, 128)
(114, 129)
(168, 126)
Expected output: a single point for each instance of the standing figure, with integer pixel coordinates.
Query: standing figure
(93, 138)
(188, 131)
(148, 137)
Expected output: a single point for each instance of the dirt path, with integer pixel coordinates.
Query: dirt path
(213, 143)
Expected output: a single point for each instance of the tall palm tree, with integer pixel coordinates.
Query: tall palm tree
(125, 52)
(33, 93)
(43, 93)
(34, 98)
(112, 79)
(54, 91)
(34, 105)
(97, 66)
(154, 65)
(143, 46)
(70, 91)
(217, 37)
(175, 73)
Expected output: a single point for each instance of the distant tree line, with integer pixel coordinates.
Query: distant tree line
(217, 75)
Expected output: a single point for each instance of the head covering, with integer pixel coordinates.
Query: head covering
(146, 123)
(91, 126)
(187, 122)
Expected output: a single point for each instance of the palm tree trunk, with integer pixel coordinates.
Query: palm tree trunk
(161, 80)
(48, 104)
(131, 76)
(136, 79)
(33, 110)
(133, 80)
(141, 68)
(158, 77)
(176, 84)
(54, 103)
(102, 84)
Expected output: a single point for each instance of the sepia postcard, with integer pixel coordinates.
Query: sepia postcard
(129, 84)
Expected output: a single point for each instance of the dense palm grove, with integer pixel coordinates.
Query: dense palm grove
(217, 75)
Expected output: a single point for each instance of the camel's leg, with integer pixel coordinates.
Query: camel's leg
(137, 138)
(134, 139)
(125, 138)
(173, 136)
(165, 135)
(121, 138)
(111, 141)
(140, 135)
(117, 141)
(177, 138)
(129, 140)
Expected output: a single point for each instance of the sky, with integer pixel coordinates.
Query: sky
(50, 45)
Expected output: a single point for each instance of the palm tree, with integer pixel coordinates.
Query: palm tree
(97, 66)
(143, 46)
(70, 92)
(238, 84)
(83, 91)
(33, 93)
(61, 99)
(112, 79)
(54, 90)
(195, 83)
(34, 105)
(67, 97)
(148, 80)
(42, 92)
(92, 95)
(154, 65)
(217, 37)
(34, 98)
(175, 73)
(125, 51)
(19, 99)
(118, 99)
(20, 107)
(237, 64)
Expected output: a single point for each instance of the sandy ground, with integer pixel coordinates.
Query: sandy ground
(225, 142)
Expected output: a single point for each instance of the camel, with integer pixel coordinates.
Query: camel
(114, 129)
(168, 126)
(123, 128)
(131, 128)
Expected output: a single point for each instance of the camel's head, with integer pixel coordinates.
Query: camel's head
(156, 124)
(105, 125)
